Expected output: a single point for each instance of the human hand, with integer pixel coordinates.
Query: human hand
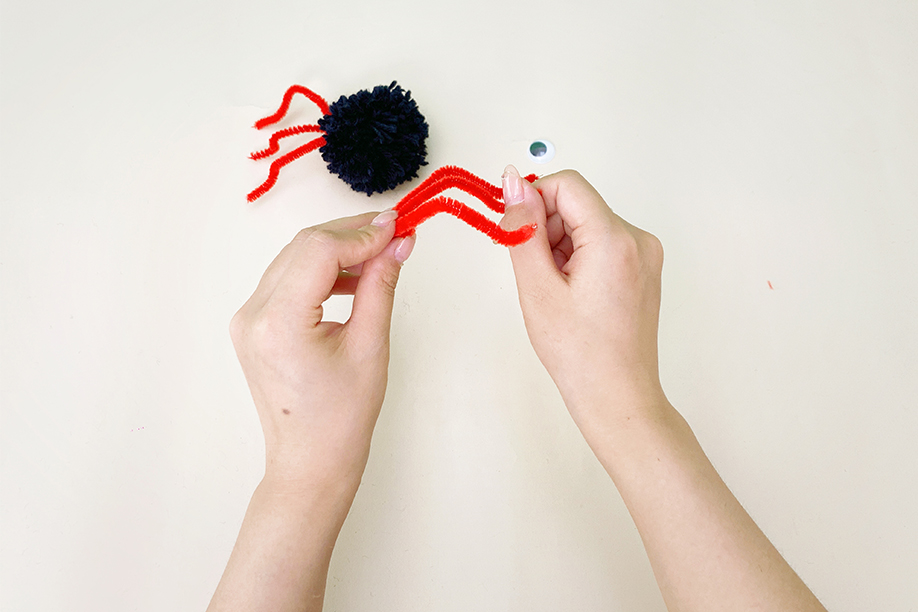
(589, 285)
(318, 385)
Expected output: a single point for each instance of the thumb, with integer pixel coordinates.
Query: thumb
(371, 314)
(533, 263)
(321, 252)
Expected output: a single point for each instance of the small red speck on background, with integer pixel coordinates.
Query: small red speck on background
(770, 286)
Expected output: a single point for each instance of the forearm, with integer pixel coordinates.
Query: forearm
(705, 550)
(280, 561)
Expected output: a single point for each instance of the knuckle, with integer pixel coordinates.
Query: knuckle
(569, 174)
(626, 249)
(255, 333)
(654, 248)
(318, 239)
(303, 234)
(637, 254)
(387, 280)
(237, 326)
(575, 182)
(264, 331)
(367, 236)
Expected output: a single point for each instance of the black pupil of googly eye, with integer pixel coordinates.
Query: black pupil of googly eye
(538, 148)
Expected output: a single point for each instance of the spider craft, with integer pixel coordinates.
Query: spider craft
(375, 140)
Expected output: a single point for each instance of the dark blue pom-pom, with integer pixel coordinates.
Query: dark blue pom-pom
(375, 140)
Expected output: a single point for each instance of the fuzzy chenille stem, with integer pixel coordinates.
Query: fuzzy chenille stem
(285, 105)
(282, 161)
(407, 222)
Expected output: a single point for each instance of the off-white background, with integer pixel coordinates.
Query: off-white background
(761, 141)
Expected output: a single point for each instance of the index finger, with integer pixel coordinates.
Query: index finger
(293, 250)
(570, 195)
(322, 252)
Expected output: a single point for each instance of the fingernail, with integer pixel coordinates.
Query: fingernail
(513, 186)
(404, 248)
(384, 218)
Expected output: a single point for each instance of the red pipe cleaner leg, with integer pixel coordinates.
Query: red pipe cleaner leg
(285, 105)
(274, 147)
(449, 177)
(406, 223)
(282, 161)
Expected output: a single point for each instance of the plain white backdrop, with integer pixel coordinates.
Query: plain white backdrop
(771, 146)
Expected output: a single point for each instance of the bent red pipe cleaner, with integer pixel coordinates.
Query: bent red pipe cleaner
(420, 205)
(375, 140)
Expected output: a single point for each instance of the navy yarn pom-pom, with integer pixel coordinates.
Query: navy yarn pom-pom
(375, 140)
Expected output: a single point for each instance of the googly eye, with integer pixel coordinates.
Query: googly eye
(541, 151)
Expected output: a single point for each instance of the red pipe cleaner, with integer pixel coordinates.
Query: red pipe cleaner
(452, 176)
(282, 161)
(285, 105)
(420, 205)
(273, 142)
(273, 146)
(406, 224)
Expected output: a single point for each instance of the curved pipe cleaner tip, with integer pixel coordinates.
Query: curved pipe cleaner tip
(280, 162)
(285, 105)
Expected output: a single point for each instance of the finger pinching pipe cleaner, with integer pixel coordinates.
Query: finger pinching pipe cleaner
(375, 141)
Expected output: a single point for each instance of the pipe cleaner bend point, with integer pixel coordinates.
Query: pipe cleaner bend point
(375, 141)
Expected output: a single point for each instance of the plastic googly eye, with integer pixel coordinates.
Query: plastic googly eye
(541, 151)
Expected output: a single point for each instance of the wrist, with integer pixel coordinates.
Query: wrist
(315, 471)
(305, 477)
(628, 442)
(607, 399)
(315, 456)
(325, 501)
(609, 412)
